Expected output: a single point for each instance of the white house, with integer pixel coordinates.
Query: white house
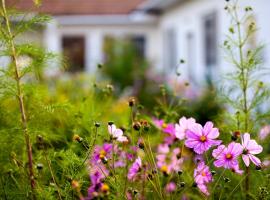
(167, 30)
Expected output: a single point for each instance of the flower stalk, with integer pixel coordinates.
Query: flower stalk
(20, 98)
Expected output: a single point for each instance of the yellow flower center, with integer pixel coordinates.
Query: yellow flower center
(164, 169)
(164, 125)
(104, 188)
(228, 156)
(102, 154)
(203, 174)
(203, 138)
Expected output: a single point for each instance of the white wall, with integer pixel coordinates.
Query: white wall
(94, 35)
(187, 17)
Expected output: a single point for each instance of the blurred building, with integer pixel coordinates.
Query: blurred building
(164, 31)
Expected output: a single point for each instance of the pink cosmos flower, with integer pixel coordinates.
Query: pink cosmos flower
(117, 133)
(134, 169)
(183, 126)
(170, 187)
(98, 173)
(200, 139)
(203, 189)
(202, 176)
(166, 128)
(236, 170)
(264, 132)
(250, 148)
(168, 160)
(227, 156)
(102, 151)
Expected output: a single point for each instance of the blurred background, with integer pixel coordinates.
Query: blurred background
(136, 45)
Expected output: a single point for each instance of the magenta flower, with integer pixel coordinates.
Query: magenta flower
(202, 176)
(168, 160)
(227, 156)
(250, 148)
(117, 133)
(97, 174)
(102, 152)
(183, 126)
(200, 139)
(134, 169)
(166, 128)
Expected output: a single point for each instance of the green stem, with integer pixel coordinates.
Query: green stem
(244, 80)
(24, 122)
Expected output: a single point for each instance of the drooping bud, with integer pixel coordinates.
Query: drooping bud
(136, 126)
(131, 101)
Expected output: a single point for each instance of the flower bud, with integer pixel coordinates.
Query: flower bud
(136, 126)
(182, 184)
(180, 172)
(131, 101)
(258, 167)
(39, 166)
(110, 123)
(213, 172)
(77, 138)
(97, 124)
(141, 145)
(75, 184)
(227, 180)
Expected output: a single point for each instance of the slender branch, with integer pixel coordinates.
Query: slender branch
(11, 45)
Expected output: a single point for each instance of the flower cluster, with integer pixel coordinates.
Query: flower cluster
(200, 139)
(181, 139)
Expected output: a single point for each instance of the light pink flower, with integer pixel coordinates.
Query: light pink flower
(183, 126)
(236, 170)
(134, 169)
(168, 160)
(200, 139)
(264, 132)
(202, 176)
(203, 189)
(227, 156)
(170, 187)
(117, 133)
(250, 148)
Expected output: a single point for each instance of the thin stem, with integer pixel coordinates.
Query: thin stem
(236, 186)
(52, 174)
(90, 149)
(3, 185)
(244, 81)
(20, 99)
(219, 179)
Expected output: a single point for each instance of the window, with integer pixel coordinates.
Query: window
(210, 44)
(170, 53)
(74, 51)
(139, 45)
(191, 56)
